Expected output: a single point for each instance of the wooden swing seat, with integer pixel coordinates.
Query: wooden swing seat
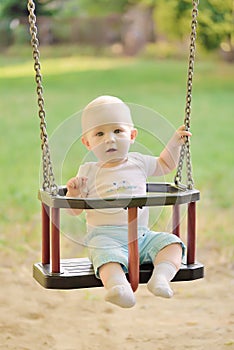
(78, 273)
(56, 273)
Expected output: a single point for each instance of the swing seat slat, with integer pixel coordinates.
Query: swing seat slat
(78, 273)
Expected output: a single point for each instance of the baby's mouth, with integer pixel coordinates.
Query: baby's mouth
(111, 150)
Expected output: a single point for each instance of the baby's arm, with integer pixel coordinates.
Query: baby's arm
(169, 157)
(76, 187)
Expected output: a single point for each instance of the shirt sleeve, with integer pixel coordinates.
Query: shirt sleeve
(148, 163)
(83, 170)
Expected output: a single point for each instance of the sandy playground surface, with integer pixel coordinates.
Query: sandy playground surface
(199, 317)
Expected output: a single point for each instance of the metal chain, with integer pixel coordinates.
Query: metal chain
(49, 184)
(185, 149)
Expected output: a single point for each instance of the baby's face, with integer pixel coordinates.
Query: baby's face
(110, 142)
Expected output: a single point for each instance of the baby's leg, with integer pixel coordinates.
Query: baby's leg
(119, 291)
(166, 265)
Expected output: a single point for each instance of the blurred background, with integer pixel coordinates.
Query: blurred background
(157, 29)
(138, 51)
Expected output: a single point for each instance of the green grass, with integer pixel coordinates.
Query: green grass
(69, 83)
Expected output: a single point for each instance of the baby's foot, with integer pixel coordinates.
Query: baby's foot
(162, 274)
(121, 295)
(160, 288)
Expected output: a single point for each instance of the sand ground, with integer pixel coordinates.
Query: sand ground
(200, 316)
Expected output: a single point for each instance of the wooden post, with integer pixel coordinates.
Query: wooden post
(191, 238)
(45, 248)
(133, 252)
(55, 231)
(176, 220)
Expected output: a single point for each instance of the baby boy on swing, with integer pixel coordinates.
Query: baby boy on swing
(108, 131)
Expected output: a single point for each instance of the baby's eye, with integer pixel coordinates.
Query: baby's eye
(99, 133)
(117, 131)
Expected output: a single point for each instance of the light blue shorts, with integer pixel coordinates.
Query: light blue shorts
(110, 244)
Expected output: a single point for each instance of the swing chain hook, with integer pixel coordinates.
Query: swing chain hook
(185, 149)
(49, 184)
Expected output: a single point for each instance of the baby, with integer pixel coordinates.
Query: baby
(108, 131)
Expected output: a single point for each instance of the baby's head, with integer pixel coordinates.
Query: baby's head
(105, 110)
(107, 129)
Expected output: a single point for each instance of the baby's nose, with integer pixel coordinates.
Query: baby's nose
(110, 137)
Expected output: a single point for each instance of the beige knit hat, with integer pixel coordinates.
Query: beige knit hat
(105, 110)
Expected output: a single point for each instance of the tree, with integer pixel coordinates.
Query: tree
(215, 20)
(216, 23)
(173, 17)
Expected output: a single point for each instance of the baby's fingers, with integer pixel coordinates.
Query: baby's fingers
(73, 183)
(83, 185)
(82, 181)
(182, 132)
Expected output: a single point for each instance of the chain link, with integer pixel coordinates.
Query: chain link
(185, 149)
(49, 184)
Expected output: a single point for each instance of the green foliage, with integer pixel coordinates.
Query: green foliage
(173, 18)
(216, 22)
(6, 37)
(16, 8)
(11, 8)
(102, 7)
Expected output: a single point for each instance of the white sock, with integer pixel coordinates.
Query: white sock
(119, 292)
(162, 274)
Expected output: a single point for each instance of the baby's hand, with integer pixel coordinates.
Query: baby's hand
(77, 186)
(179, 136)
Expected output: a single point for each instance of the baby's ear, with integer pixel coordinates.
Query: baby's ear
(85, 142)
(134, 133)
